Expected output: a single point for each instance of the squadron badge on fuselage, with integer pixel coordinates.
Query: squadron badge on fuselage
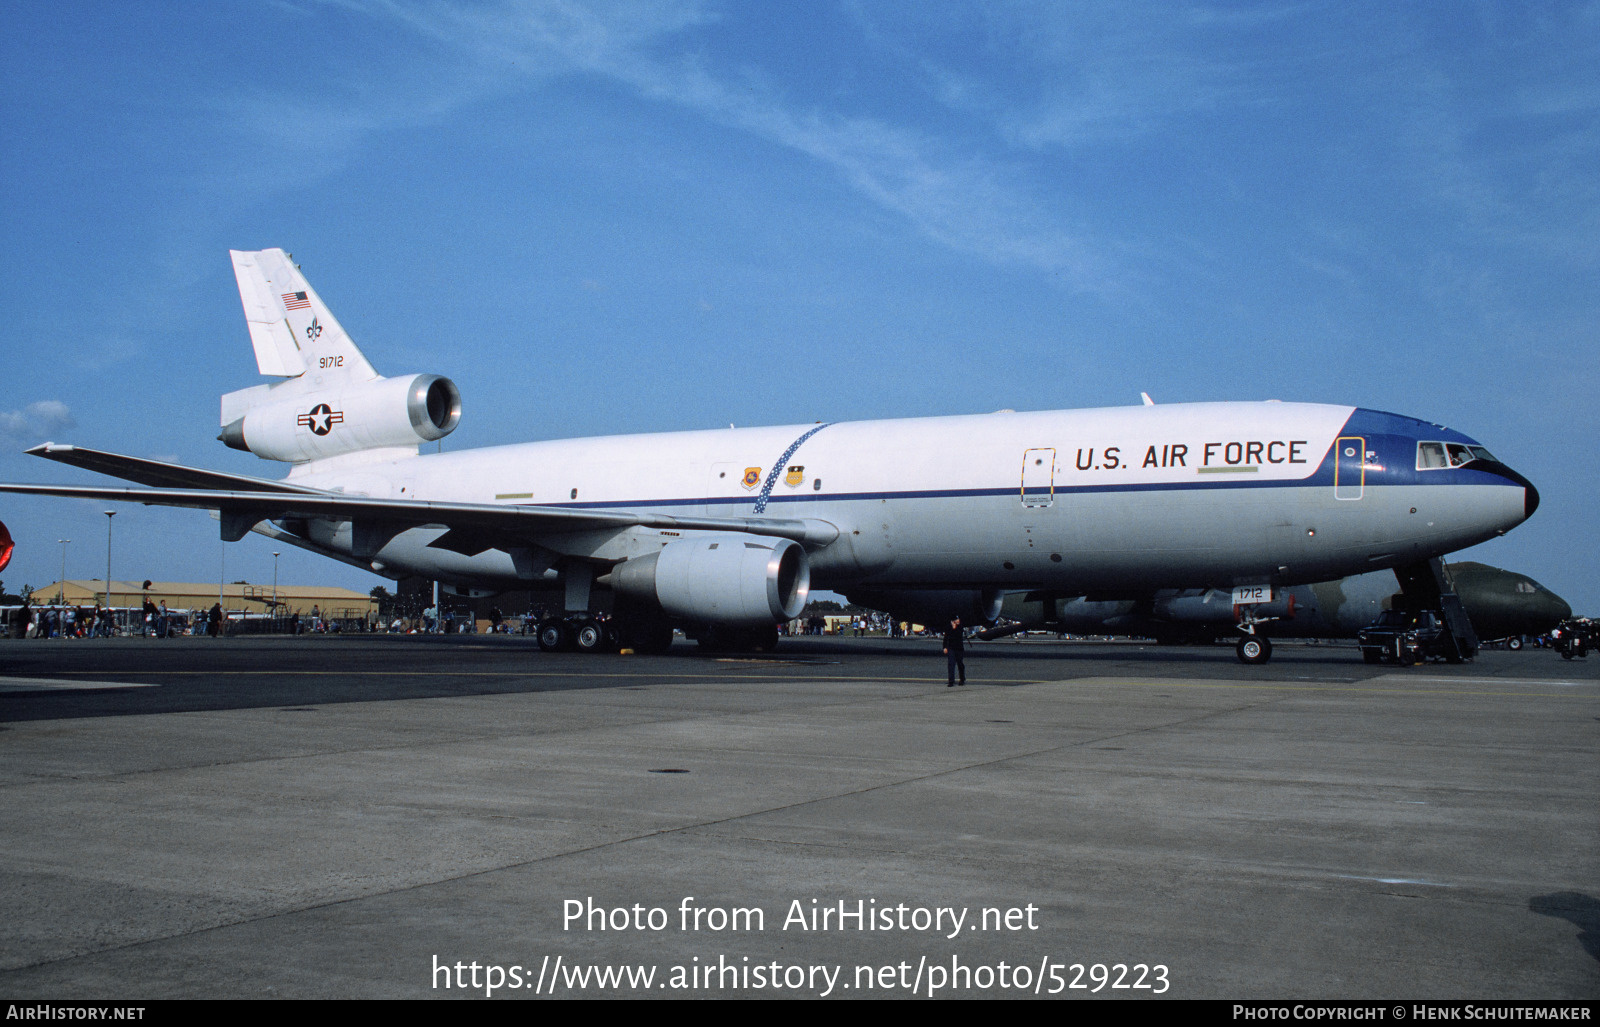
(752, 477)
(795, 476)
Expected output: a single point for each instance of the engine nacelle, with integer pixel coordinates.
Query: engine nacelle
(732, 579)
(311, 425)
(933, 607)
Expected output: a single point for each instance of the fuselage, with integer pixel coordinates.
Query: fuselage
(1126, 498)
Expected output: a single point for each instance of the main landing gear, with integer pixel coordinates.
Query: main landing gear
(587, 634)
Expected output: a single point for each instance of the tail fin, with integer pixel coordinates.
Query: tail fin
(328, 402)
(290, 328)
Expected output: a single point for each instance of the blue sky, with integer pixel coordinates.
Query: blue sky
(642, 216)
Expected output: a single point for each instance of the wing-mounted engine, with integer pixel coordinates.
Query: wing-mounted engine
(732, 579)
(386, 413)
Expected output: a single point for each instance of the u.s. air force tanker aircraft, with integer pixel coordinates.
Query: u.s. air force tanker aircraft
(1500, 605)
(724, 532)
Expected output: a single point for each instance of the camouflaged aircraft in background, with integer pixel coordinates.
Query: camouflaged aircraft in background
(1501, 605)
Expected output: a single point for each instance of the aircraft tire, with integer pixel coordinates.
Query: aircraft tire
(589, 636)
(1514, 643)
(1254, 649)
(555, 635)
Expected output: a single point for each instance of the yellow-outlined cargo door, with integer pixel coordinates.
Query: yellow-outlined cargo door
(1350, 467)
(1038, 477)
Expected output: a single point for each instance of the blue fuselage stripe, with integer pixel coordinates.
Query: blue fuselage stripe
(1455, 476)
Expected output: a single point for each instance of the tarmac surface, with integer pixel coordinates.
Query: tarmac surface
(356, 816)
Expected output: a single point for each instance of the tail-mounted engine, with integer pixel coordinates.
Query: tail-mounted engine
(315, 424)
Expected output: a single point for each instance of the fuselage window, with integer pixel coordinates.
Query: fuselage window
(1430, 456)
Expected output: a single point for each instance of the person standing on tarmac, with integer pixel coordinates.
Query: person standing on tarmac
(953, 651)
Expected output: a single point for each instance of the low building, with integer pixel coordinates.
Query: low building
(237, 598)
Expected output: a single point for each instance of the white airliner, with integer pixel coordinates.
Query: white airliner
(723, 532)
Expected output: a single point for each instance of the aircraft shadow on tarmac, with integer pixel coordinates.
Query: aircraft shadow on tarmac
(1583, 911)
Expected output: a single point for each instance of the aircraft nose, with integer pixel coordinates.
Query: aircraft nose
(1530, 495)
(1554, 607)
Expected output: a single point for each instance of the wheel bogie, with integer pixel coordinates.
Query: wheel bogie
(555, 635)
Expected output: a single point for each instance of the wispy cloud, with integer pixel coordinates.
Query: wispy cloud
(952, 194)
(34, 423)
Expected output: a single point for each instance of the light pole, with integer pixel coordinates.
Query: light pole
(112, 618)
(274, 585)
(61, 587)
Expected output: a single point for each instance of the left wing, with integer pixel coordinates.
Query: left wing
(379, 520)
(160, 473)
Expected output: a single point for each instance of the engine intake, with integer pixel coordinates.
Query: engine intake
(731, 579)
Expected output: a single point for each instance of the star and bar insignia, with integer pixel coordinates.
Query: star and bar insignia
(320, 419)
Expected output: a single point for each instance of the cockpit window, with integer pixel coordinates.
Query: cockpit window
(1432, 456)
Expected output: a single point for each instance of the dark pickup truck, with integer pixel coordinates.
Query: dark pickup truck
(1407, 637)
(1574, 637)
